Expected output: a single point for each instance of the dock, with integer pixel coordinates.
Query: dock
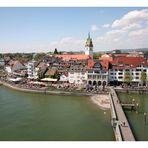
(120, 123)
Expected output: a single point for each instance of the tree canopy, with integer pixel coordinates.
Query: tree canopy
(96, 55)
(55, 51)
(39, 56)
(143, 77)
(127, 77)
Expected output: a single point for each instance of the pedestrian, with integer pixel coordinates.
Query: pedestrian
(123, 123)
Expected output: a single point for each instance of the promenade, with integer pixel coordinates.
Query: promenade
(126, 132)
(45, 91)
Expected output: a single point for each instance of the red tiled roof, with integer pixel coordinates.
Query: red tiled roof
(90, 63)
(105, 65)
(68, 57)
(132, 62)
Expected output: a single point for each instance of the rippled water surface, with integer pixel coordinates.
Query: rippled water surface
(25, 116)
(137, 119)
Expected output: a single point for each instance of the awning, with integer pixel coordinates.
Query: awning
(49, 79)
(15, 80)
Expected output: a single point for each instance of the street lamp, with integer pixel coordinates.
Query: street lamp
(137, 107)
(145, 118)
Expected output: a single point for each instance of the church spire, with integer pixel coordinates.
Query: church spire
(89, 46)
(88, 35)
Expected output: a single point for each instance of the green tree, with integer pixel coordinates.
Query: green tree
(1, 55)
(39, 56)
(96, 55)
(143, 77)
(55, 51)
(127, 77)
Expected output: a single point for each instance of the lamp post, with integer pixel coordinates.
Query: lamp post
(133, 101)
(145, 118)
(137, 107)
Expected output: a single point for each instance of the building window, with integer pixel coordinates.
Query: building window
(94, 76)
(144, 70)
(120, 77)
(89, 76)
(96, 71)
(120, 73)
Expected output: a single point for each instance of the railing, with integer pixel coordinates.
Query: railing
(114, 121)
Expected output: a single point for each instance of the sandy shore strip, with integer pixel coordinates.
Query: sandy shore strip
(102, 101)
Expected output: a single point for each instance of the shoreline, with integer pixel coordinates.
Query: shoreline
(44, 91)
(102, 101)
(98, 99)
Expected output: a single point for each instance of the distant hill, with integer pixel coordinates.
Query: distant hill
(136, 49)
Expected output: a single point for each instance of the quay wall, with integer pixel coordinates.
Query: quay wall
(140, 91)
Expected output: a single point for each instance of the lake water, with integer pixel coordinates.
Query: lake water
(136, 119)
(25, 116)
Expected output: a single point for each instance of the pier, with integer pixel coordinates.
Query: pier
(119, 121)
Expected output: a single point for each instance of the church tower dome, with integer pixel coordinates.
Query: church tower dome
(89, 46)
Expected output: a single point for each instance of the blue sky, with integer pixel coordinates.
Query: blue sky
(43, 29)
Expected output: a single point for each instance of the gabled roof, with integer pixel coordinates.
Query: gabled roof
(13, 63)
(105, 65)
(50, 72)
(41, 64)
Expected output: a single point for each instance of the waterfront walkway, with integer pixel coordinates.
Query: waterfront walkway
(124, 127)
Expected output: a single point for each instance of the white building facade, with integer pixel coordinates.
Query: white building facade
(32, 71)
(97, 76)
(118, 75)
(77, 76)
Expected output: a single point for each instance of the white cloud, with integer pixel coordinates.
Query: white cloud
(68, 44)
(141, 32)
(94, 28)
(130, 31)
(106, 26)
(64, 44)
(132, 27)
(136, 17)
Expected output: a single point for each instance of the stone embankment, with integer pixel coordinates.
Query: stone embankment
(138, 91)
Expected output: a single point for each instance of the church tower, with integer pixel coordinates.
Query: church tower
(89, 47)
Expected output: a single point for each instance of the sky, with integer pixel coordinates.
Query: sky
(44, 29)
